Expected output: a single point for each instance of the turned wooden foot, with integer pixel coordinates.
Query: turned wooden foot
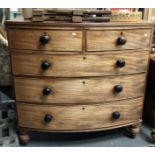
(153, 135)
(133, 130)
(24, 137)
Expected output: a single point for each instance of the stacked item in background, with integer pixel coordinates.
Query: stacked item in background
(8, 135)
(5, 74)
(126, 15)
(71, 15)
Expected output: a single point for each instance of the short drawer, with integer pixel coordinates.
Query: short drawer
(78, 90)
(79, 117)
(55, 40)
(118, 39)
(80, 65)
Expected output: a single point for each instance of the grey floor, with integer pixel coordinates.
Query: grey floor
(111, 138)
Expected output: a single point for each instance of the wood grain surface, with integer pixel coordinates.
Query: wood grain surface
(79, 65)
(106, 40)
(78, 90)
(59, 40)
(79, 117)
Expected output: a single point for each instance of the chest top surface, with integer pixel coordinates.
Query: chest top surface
(22, 23)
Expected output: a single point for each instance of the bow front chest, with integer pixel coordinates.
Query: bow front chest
(76, 77)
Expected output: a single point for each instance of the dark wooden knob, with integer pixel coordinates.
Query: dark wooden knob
(118, 88)
(120, 63)
(116, 115)
(47, 91)
(121, 40)
(48, 118)
(45, 65)
(44, 39)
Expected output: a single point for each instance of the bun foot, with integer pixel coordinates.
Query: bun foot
(24, 139)
(24, 136)
(153, 135)
(133, 130)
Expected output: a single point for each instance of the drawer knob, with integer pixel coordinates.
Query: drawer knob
(44, 39)
(116, 115)
(45, 65)
(118, 88)
(47, 91)
(121, 40)
(48, 118)
(120, 63)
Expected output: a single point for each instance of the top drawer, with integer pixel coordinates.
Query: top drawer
(56, 40)
(99, 40)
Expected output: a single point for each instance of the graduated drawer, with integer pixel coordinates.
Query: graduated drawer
(99, 40)
(78, 90)
(80, 65)
(55, 40)
(79, 117)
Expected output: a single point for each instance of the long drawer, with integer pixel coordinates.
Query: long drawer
(45, 39)
(79, 90)
(80, 65)
(79, 117)
(118, 39)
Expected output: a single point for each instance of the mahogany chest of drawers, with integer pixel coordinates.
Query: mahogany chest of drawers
(76, 77)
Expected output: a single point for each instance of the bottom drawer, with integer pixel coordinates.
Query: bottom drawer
(79, 117)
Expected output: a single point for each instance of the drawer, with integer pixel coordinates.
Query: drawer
(118, 39)
(45, 39)
(79, 117)
(80, 65)
(78, 90)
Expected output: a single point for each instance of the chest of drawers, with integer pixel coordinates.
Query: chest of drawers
(78, 77)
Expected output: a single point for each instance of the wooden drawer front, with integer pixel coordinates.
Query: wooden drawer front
(107, 40)
(79, 117)
(79, 65)
(59, 40)
(81, 90)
